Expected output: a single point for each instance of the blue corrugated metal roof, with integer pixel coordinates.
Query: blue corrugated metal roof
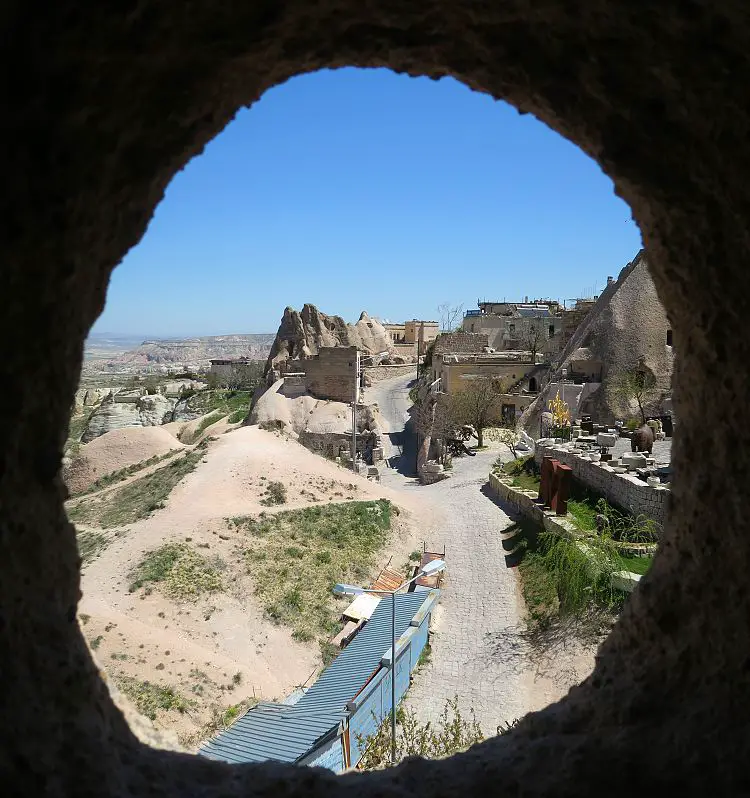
(531, 312)
(287, 732)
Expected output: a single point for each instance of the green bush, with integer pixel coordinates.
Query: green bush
(452, 734)
(275, 494)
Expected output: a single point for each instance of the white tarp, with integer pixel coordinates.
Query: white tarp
(362, 607)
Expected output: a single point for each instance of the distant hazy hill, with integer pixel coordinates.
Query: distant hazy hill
(107, 354)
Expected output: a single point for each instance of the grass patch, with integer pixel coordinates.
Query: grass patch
(524, 472)
(275, 493)
(237, 416)
(618, 525)
(219, 400)
(76, 426)
(636, 565)
(149, 698)
(563, 578)
(122, 473)
(295, 558)
(221, 718)
(136, 500)
(90, 545)
(182, 573)
(583, 514)
(203, 425)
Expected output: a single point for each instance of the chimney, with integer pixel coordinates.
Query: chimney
(610, 280)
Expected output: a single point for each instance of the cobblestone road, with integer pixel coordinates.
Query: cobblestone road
(481, 597)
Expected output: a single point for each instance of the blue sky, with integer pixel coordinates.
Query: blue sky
(366, 190)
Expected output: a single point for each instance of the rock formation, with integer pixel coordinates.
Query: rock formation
(115, 413)
(302, 333)
(626, 329)
(192, 354)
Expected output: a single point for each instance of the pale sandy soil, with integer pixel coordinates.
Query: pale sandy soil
(117, 449)
(199, 648)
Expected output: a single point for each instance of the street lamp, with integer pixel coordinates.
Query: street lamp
(429, 569)
(358, 365)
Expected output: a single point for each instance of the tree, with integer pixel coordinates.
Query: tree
(473, 404)
(532, 337)
(639, 384)
(433, 418)
(449, 316)
(507, 436)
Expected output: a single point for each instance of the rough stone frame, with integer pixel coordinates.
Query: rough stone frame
(103, 103)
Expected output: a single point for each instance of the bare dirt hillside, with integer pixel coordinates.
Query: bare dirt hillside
(192, 651)
(116, 450)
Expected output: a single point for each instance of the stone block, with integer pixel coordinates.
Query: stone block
(606, 439)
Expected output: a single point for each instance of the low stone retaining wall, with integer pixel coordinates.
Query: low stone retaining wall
(623, 490)
(382, 372)
(524, 502)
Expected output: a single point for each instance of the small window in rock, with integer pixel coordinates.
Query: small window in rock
(669, 337)
(552, 331)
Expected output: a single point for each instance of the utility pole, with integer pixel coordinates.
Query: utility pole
(354, 413)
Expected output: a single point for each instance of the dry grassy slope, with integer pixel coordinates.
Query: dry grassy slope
(220, 649)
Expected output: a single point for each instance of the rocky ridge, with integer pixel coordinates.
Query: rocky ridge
(302, 333)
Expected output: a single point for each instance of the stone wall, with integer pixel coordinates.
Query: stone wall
(382, 372)
(332, 374)
(623, 490)
(523, 501)
(460, 342)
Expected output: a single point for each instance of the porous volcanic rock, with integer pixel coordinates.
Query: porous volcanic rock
(144, 411)
(302, 334)
(626, 329)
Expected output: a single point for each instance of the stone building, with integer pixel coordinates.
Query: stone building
(420, 332)
(332, 373)
(533, 325)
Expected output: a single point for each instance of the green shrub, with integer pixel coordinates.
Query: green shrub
(275, 494)
(452, 734)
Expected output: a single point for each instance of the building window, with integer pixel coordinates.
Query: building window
(669, 337)
(552, 331)
(511, 328)
(472, 328)
(532, 384)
